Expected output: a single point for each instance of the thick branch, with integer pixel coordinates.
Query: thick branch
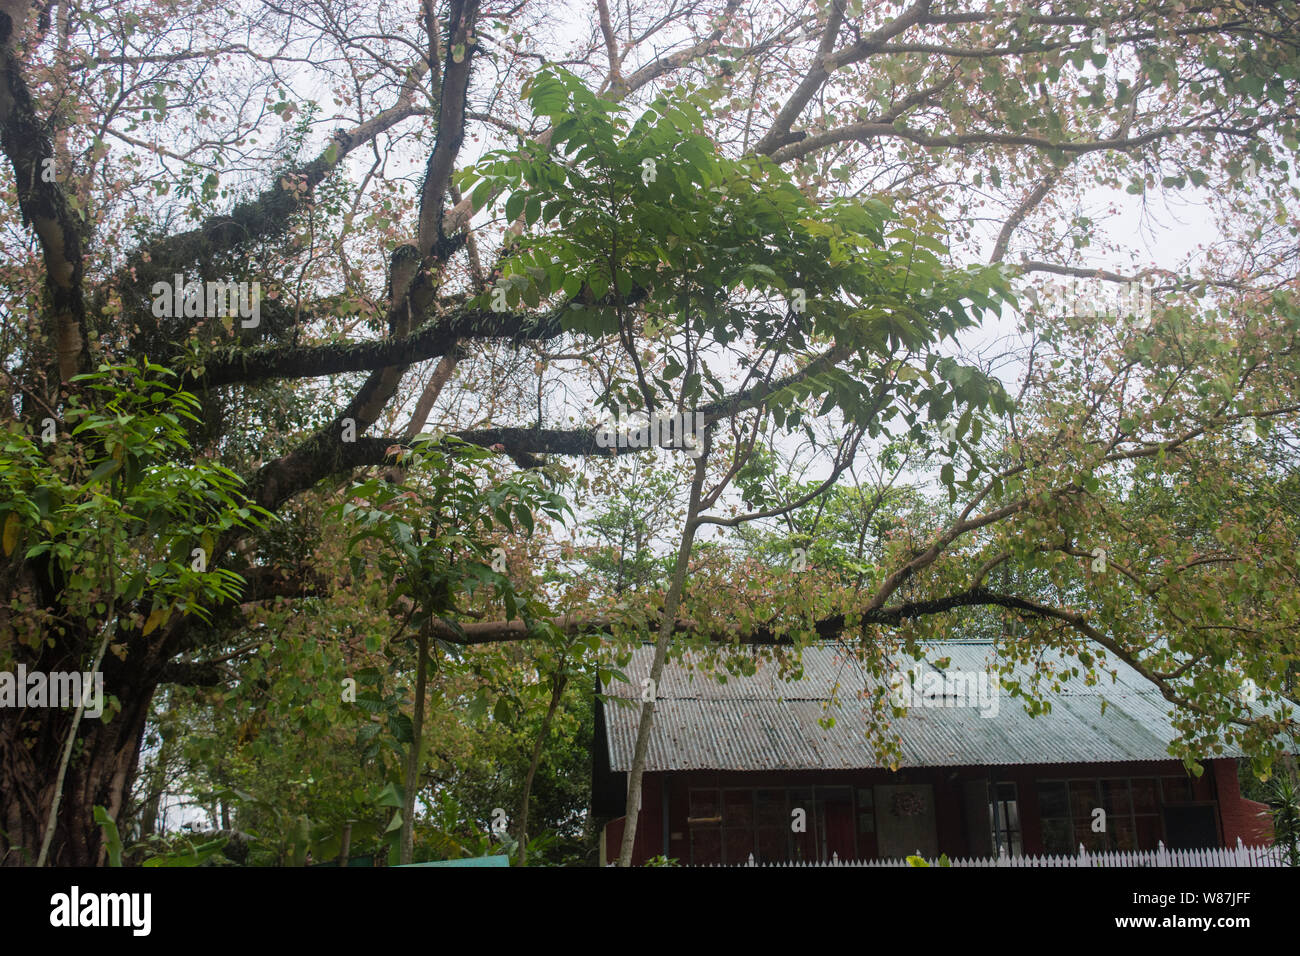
(866, 132)
(412, 285)
(271, 212)
(44, 207)
(827, 628)
(195, 674)
(1035, 196)
(451, 121)
(827, 62)
(432, 340)
(833, 628)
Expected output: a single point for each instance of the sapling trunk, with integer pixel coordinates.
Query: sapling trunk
(413, 758)
(666, 626)
(557, 691)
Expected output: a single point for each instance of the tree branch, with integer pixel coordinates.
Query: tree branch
(827, 62)
(44, 207)
(272, 211)
(434, 339)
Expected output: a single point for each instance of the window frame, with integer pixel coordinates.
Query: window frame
(1109, 843)
(1000, 828)
(810, 799)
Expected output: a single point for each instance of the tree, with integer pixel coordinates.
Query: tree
(794, 262)
(121, 532)
(435, 547)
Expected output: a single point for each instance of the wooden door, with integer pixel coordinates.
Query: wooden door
(905, 820)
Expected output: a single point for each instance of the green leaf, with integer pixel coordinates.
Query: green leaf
(13, 524)
(112, 839)
(103, 470)
(402, 728)
(525, 517)
(515, 205)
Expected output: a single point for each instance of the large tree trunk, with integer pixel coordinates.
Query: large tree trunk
(99, 773)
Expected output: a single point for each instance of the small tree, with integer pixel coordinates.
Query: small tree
(1284, 813)
(436, 535)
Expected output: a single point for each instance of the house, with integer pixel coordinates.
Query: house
(750, 766)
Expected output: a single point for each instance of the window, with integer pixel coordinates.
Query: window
(1117, 802)
(773, 823)
(729, 824)
(1176, 789)
(866, 811)
(737, 825)
(704, 819)
(1004, 818)
(1148, 830)
(1132, 808)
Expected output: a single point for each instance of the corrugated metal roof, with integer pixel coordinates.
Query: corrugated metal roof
(761, 722)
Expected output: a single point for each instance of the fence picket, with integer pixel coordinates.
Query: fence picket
(1240, 855)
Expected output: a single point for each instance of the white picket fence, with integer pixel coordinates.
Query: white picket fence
(1240, 855)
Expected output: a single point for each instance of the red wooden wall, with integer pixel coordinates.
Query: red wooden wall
(1235, 816)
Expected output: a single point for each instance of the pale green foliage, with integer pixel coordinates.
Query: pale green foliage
(117, 514)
